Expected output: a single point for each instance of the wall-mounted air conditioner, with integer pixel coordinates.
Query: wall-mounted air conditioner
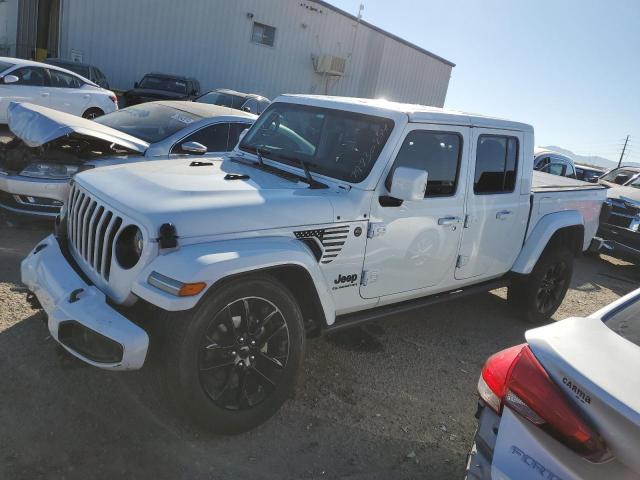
(330, 65)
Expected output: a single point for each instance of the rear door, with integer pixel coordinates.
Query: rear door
(496, 210)
(66, 94)
(412, 245)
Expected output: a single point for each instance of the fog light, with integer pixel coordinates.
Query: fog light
(89, 344)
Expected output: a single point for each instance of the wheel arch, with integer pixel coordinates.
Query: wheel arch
(217, 263)
(554, 230)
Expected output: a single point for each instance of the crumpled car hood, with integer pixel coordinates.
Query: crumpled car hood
(202, 201)
(36, 125)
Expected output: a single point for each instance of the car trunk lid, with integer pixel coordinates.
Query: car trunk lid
(599, 372)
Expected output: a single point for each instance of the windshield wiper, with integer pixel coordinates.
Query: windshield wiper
(313, 183)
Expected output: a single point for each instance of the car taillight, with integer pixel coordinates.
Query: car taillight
(114, 99)
(515, 378)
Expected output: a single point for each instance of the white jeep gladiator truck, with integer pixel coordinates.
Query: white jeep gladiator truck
(329, 212)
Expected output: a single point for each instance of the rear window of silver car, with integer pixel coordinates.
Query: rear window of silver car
(150, 122)
(625, 321)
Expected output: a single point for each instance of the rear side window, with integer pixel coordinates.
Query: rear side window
(436, 152)
(496, 164)
(63, 80)
(626, 322)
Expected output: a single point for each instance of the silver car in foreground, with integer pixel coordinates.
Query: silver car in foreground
(51, 146)
(566, 404)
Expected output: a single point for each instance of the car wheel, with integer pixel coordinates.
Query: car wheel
(233, 361)
(539, 294)
(92, 113)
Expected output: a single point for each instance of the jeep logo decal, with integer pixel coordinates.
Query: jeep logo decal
(346, 279)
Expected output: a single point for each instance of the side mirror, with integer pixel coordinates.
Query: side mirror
(409, 183)
(593, 180)
(136, 84)
(10, 79)
(193, 148)
(242, 134)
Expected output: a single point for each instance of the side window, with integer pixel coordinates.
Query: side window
(31, 76)
(541, 162)
(63, 80)
(496, 164)
(554, 169)
(436, 152)
(234, 134)
(214, 137)
(250, 105)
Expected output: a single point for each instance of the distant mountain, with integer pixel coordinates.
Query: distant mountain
(593, 160)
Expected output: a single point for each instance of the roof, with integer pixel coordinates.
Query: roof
(537, 151)
(384, 32)
(416, 113)
(204, 110)
(590, 167)
(169, 75)
(236, 93)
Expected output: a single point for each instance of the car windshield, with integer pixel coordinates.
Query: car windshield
(222, 99)
(150, 122)
(626, 321)
(82, 70)
(5, 65)
(619, 176)
(338, 144)
(635, 183)
(168, 84)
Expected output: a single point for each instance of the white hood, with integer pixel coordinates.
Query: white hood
(36, 125)
(200, 202)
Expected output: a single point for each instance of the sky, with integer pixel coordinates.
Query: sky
(570, 68)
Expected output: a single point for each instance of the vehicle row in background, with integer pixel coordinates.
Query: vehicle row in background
(162, 86)
(50, 146)
(51, 86)
(619, 231)
(565, 405)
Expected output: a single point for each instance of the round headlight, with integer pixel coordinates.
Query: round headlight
(129, 246)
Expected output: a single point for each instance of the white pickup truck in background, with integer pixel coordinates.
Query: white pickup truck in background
(330, 212)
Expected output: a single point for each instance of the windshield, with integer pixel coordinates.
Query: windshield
(150, 122)
(619, 176)
(5, 65)
(222, 99)
(169, 84)
(635, 183)
(626, 321)
(335, 143)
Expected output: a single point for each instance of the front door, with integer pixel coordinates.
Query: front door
(30, 88)
(413, 244)
(496, 210)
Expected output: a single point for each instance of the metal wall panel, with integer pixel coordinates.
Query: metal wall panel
(211, 40)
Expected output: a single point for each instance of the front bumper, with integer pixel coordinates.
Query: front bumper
(69, 300)
(618, 241)
(32, 196)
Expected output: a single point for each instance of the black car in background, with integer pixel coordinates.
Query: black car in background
(89, 72)
(249, 102)
(162, 86)
(589, 174)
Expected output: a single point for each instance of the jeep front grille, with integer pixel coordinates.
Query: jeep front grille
(91, 230)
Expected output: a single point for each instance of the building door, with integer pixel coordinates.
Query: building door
(38, 29)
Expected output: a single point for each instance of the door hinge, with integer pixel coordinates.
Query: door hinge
(376, 229)
(462, 261)
(368, 276)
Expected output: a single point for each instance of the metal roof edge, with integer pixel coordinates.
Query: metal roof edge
(384, 32)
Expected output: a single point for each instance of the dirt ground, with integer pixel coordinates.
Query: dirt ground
(394, 400)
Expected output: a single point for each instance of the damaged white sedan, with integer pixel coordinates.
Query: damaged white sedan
(49, 146)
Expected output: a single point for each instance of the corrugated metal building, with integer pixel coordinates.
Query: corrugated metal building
(260, 46)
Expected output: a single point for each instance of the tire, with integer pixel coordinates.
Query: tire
(92, 113)
(228, 374)
(538, 295)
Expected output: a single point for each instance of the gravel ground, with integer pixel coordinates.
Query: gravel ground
(394, 400)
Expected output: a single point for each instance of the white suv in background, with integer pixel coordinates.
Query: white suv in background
(53, 87)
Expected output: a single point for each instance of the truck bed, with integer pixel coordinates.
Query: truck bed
(545, 182)
(552, 193)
